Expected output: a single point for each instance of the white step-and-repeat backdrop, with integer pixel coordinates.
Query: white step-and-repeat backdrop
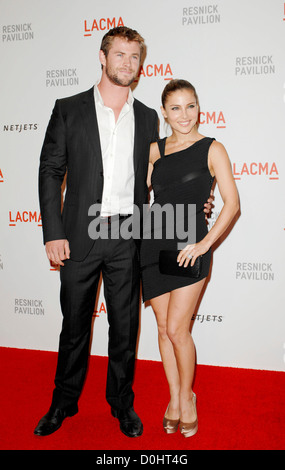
(233, 52)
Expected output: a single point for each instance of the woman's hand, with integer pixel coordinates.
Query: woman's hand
(208, 206)
(191, 253)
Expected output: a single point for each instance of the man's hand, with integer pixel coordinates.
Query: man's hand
(57, 251)
(208, 206)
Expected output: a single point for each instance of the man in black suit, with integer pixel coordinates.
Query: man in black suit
(101, 139)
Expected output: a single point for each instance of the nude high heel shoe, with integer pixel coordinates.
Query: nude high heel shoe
(170, 426)
(189, 429)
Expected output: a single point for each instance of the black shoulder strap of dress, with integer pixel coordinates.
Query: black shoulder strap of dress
(161, 146)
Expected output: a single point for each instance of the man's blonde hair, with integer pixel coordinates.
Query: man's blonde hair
(124, 33)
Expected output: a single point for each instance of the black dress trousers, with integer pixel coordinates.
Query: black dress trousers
(118, 261)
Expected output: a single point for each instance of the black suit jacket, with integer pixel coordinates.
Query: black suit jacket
(72, 146)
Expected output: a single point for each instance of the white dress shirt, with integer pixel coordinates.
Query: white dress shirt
(117, 146)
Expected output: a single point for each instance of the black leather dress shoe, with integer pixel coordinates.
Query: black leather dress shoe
(130, 423)
(52, 421)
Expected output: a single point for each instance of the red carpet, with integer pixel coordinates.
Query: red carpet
(237, 408)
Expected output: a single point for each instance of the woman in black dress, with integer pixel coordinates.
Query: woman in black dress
(182, 168)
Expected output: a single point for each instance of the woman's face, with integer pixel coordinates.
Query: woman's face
(181, 110)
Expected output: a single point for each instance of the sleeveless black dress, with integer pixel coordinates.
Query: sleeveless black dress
(178, 179)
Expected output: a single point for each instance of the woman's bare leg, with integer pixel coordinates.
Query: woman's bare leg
(181, 307)
(160, 308)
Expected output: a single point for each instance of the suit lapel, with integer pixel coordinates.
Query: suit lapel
(139, 134)
(89, 117)
(88, 113)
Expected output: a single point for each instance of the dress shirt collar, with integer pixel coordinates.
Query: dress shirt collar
(99, 99)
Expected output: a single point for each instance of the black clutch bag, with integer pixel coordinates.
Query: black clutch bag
(168, 265)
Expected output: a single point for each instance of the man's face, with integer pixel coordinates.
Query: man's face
(122, 62)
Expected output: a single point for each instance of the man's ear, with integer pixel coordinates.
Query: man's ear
(102, 58)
